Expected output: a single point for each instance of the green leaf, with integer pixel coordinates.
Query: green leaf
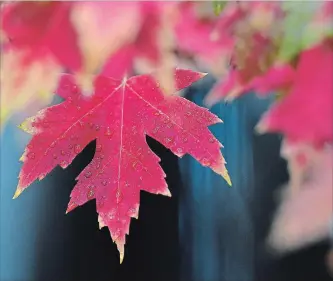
(219, 6)
(298, 18)
(315, 33)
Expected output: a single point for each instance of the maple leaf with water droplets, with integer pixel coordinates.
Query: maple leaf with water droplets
(119, 115)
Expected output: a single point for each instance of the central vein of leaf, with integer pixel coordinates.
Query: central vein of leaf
(121, 134)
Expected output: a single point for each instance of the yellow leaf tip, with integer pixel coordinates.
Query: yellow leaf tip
(166, 192)
(18, 192)
(24, 125)
(121, 255)
(227, 177)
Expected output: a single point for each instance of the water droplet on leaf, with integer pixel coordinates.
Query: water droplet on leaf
(108, 132)
(31, 155)
(98, 147)
(90, 194)
(205, 162)
(77, 148)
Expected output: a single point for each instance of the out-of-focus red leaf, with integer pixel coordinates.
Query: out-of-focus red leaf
(40, 41)
(305, 114)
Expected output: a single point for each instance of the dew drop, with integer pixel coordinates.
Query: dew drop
(55, 156)
(104, 182)
(64, 164)
(62, 152)
(108, 132)
(77, 148)
(111, 215)
(185, 140)
(97, 127)
(53, 144)
(70, 146)
(118, 196)
(100, 204)
(132, 211)
(42, 176)
(78, 107)
(188, 113)
(88, 174)
(212, 140)
(205, 162)
(199, 120)
(30, 146)
(90, 194)
(101, 156)
(98, 147)
(179, 150)
(31, 155)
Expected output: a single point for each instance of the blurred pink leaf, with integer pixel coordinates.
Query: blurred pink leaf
(41, 40)
(305, 113)
(306, 210)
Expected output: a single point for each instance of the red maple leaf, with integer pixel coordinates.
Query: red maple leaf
(42, 29)
(305, 114)
(119, 115)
